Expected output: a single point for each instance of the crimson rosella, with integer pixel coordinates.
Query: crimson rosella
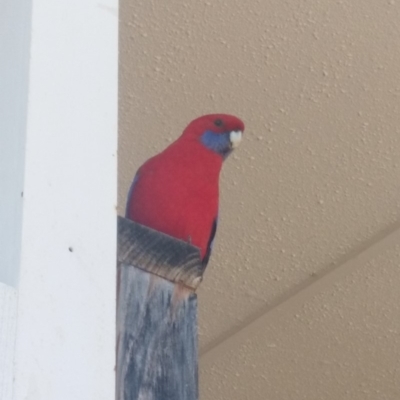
(176, 191)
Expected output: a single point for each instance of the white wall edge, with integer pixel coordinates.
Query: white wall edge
(65, 339)
(8, 323)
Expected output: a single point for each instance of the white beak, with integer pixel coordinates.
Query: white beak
(235, 137)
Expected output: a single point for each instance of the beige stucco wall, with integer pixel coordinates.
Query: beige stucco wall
(314, 183)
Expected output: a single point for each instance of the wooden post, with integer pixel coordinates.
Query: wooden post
(156, 315)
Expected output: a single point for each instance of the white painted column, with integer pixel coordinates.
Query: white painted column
(65, 227)
(15, 17)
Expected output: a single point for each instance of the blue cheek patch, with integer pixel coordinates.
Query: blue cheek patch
(217, 142)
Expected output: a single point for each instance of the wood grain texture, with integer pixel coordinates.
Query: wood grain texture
(160, 254)
(156, 338)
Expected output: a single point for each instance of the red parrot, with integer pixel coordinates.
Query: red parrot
(176, 192)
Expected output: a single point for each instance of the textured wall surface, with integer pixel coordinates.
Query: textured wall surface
(316, 179)
(338, 340)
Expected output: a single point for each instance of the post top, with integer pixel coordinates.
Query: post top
(158, 253)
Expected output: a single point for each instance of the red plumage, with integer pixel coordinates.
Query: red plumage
(177, 191)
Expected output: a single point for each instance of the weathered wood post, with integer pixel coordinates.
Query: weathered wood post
(156, 315)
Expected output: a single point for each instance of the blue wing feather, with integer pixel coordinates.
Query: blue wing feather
(210, 242)
(135, 179)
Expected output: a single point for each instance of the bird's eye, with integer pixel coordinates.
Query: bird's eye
(218, 122)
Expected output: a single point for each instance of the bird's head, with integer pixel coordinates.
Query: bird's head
(220, 133)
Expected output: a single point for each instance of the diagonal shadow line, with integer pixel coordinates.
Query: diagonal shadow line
(357, 251)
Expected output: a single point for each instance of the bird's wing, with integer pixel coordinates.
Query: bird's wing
(210, 242)
(135, 179)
